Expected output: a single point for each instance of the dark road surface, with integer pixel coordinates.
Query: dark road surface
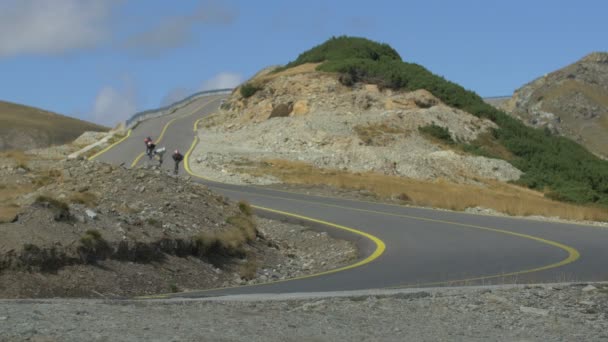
(400, 246)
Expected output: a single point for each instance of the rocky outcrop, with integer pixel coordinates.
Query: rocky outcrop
(572, 101)
(303, 115)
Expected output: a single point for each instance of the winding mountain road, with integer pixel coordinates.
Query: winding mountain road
(400, 246)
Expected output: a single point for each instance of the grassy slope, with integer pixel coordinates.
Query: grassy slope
(44, 128)
(594, 132)
(567, 170)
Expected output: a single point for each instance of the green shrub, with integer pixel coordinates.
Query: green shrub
(245, 208)
(93, 247)
(60, 209)
(248, 89)
(343, 47)
(437, 132)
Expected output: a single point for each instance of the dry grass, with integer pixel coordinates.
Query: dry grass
(8, 212)
(47, 177)
(86, 198)
(231, 240)
(378, 134)
(8, 197)
(88, 154)
(45, 128)
(300, 69)
(245, 208)
(505, 198)
(248, 270)
(19, 157)
(492, 146)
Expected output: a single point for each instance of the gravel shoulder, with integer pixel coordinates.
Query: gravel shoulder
(557, 312)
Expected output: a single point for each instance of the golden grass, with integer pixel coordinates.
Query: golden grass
(231, 240)
(249, 269)
(45, 128)
(19, 157)
(86, 198)
(300, 69)
(8, 212)
(47, 177)
(88, 154)
(378, 134)
(8, 196)
(502, 197)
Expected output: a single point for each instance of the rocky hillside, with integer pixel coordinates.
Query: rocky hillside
(572, 101)
(307, 115)
(355, 105)
(24, 128)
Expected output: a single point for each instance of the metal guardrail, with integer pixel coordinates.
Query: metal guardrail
(152, 113)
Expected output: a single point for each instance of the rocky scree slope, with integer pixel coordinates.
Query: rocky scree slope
(306, 115)
(576, 312)
(572, 101)
(93, 229)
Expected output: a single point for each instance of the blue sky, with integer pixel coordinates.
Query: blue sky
(102, 60)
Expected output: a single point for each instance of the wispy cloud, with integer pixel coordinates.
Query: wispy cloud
(222, 80)
(115, 104)
(177, 31)
(52, 26)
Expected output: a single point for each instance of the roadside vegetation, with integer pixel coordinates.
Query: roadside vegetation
(506, 198)
(559, 167)
(248, 89)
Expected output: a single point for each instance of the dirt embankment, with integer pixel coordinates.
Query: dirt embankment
(79, 228)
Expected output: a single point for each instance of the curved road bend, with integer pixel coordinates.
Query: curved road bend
(424, 247)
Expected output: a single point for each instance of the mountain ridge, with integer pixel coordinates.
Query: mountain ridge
(24, 127)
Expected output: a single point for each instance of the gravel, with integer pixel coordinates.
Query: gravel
(125, 233)
(557, 312)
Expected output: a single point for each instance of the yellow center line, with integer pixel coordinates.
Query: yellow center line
(111, 146)
(380, 248)
(573, 254)
(162, 133)
(160, 138)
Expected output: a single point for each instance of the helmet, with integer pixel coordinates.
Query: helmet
(176, 152)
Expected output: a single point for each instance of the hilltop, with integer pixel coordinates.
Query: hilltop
(572, 101)
(23, 127)
(352, 114)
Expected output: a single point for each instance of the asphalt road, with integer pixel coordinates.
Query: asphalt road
(400, 246)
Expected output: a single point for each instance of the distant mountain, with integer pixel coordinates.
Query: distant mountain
(23, 127)
(572, 101)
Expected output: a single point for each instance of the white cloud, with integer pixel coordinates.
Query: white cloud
(177, 31)
(51, 26)
(113, 105)
(223, 80)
